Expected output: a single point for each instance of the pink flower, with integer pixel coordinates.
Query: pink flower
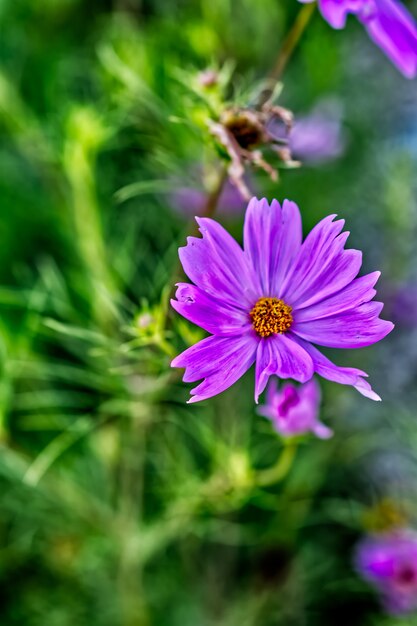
(295, 410)
(389, 563)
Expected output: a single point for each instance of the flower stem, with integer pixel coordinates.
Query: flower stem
(281, 468)
(214, 195)
(290, 43)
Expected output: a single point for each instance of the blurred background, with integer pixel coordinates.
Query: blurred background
(120, 504)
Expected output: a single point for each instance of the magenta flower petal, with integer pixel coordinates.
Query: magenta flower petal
(358, 292)
(393, 29)
(272, 238)
(336, 274)
(221, 361)
(342, 375)
(216, 264)
(352, 329)
(215, 316)
(321, 431)
(322, 267)
(204, 357)
(271, 301)
(283, 357)
(336, 11)
(389, 563)
(291, 235)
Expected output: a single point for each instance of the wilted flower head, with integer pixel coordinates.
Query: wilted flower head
(295, 410)
(271, 301)
(389, 563)
(244, 132)
(387, 22)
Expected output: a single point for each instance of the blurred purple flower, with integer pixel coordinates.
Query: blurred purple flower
(319, 137)
(388, 23)
(295, 410)
(271, 301)
(389, 563)
(190, 201)
(404, 305)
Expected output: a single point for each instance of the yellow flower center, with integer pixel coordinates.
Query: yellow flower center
(271, 316)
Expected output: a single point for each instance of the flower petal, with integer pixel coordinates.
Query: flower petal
(322, 266)
(394, 30)
(352, 329)
(343, 375)
(209, 313)
(336, 11)
(272, 238)
(281, 356)
(217, 264)
(321, 431)
(289, 244)
(221, 361)
(358, 292)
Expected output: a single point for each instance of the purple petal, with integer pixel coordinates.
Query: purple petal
(336, 11)
(209, 313)
(394, 30)
(358, 292)
(272, 238)
(221, 361)
(343, 375)
(289, 243)
(311, 393)
(322, 267)
(217, 265)
(353, 329)
(321, 431)
(366, 390)
(283, 357)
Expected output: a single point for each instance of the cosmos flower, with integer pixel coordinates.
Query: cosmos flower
(294, 410)
(389, 563)
(273, 300)
(388, 23)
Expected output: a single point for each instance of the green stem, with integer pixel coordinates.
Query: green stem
(214, 196)
(290, 43)
(277, 472)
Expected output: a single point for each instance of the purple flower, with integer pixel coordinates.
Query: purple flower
(388, 24)
(404, 305)
(272, 300)
(318, 137)
(389, 563)
(294, 410)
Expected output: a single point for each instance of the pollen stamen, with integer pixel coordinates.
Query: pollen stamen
(271, 316)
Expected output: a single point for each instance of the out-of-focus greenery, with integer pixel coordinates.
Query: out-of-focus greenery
(120, 504)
